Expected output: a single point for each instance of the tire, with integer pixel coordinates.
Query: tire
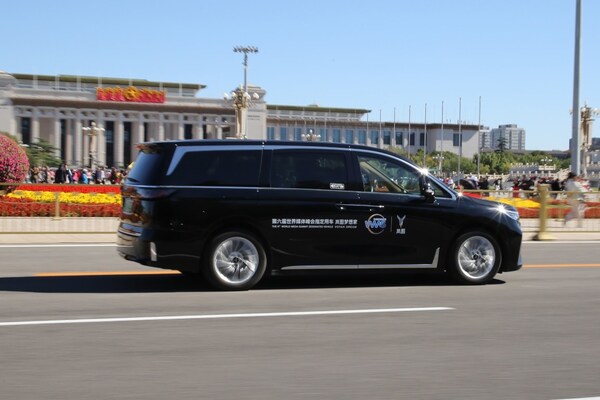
(235, 260)
(475, 258)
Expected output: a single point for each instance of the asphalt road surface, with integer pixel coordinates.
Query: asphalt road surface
(78, 322)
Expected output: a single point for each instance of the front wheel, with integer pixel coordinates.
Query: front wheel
(475, 258)
(235, 261)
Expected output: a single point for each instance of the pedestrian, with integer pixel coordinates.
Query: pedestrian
(61, 176)
(576, 200)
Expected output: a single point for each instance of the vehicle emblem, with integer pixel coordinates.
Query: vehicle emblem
(400, 230)
(376, 224)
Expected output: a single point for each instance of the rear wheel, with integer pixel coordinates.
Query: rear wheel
(235, 260)
(475, 258)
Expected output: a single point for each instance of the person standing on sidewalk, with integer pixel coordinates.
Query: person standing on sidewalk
(576, 201)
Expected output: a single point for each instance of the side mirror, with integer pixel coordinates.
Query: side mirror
(426, 190)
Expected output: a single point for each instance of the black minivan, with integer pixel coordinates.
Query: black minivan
(234, 210)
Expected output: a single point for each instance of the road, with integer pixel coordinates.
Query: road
(79, 322)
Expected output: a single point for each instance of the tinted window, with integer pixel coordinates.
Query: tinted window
(217, 168)
(309, 170)
(384, 175)
(147, 168)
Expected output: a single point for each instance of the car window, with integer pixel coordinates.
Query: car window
(309, 170)
(383, 175)
(148, 166)
(217, 168)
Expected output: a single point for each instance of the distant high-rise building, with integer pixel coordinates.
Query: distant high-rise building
(513, 136)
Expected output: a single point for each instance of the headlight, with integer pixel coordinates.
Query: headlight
(508, 211)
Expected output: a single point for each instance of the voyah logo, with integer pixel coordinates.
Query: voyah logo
(376, 224)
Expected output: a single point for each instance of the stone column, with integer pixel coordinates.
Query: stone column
(69, 141)
(119, 142)
(161, 128)
(35, 126)
(77, 141)
(101, 141)
(137, 135)
(56, 142)
(196, 129)
(180, 128)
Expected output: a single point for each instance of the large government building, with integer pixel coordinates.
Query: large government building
(107, 117)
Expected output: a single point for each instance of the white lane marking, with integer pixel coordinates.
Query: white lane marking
(25, 246)
(221, 316)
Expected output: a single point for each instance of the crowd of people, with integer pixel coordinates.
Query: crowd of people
(64, 174)
(525, 183)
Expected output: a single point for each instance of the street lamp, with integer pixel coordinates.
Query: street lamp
(545, 160)
(587, 118)
(92, 131)
(311, 136)
(240, 97)
(439, 158)
(241, 101)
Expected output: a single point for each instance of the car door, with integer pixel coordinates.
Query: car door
(300, 209)
(398, 227)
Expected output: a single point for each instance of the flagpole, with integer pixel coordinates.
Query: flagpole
(409, 133)
(479, 141)
(459, 136)
(425, 139)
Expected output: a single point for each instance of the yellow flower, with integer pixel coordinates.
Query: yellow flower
(68, 197)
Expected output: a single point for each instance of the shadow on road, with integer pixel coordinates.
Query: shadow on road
(180, 283)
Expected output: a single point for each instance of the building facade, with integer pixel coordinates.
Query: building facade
(511, 134)
(61, 110)
(342, 125)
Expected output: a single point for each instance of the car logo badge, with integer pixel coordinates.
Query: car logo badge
(376, 224)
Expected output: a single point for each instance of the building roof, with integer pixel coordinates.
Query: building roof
(107, 81)
(317, 108)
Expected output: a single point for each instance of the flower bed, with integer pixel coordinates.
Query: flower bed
(73, 201)
(41, 187)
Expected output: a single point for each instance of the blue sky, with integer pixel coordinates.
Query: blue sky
(378, 55)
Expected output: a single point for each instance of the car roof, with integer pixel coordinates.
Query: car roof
(268, 143)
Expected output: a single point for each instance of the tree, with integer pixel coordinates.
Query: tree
(14, 164)
(42, 154)
(501, 145)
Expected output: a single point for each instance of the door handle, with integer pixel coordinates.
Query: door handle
(359, 207)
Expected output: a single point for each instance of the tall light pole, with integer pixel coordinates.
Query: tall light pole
(245, 50)
(92, 131)
(575, 139)
(240, 97)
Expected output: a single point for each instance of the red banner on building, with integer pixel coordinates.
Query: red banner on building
(131, 94)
